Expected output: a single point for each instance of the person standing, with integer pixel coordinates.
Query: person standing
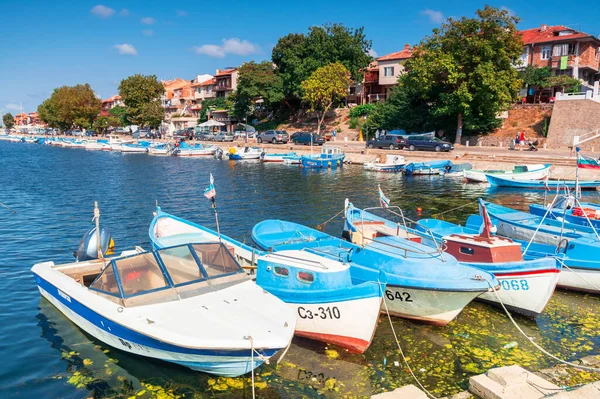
(522, 138)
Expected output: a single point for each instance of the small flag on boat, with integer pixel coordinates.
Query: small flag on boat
(487, 222)
(383, 200)
(210, 191)
(584, 162)
(546, 184)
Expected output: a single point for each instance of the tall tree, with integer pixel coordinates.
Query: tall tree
(325, 86)
(119, 112)
(9, 120)
(141, 95)
(465, 69)
(104, 122)
(297, 56)
(257, 81)
(70, 106)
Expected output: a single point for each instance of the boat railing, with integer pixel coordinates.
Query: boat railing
(439, 251)
(300, 260)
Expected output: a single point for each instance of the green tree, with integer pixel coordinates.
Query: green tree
(257, 81)
(141, 95)
(324, 87)
(535, 78)
(297, 55)
(8, 120)
(464, 70)
(104, 122)
(212, 103)
(70, 106)
(120, 113)
(565, 82)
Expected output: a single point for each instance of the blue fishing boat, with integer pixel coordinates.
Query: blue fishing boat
(421, 284)
(578, 255)
(565, 208)
(527, 285)
(330, 157)
(178, 304)
(330, 306)
(277, 157)
(499, 181)
(428, 168)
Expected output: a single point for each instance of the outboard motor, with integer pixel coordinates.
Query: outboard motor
(88, 246)
(219, 153)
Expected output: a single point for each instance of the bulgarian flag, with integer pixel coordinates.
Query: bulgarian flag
(210, 191)
(584, 162)
(383, 200)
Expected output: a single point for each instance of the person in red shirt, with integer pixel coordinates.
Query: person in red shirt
(522, 138)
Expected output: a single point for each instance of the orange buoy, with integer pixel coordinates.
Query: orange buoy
(419, 211)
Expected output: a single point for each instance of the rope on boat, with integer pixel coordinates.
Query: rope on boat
(249, 337)
(530, 339)
(321, 226)
(550, 207)
(576, 274)
(400, 347)
(435, 215)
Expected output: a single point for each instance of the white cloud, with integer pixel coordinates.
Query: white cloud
(12, 107)
(372, 53)
(233, 46)
(434, 16)
(509, 11)
(126, 49)
(102, 11)
(124, 12)
(181, 13)
(148, 32)
(147, 20)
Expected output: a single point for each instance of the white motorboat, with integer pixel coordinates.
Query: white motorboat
(519, 172)
(393, 164)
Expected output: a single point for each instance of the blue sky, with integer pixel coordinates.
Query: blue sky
(47, 44)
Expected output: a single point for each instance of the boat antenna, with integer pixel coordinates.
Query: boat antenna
(97, 219)
(211, 194)
(577, 190)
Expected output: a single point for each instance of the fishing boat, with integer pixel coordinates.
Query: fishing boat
(457, 170)
(330, 307)
(421, 285)
(393, 164)
(566, 209)
(246, 153)
(330, 157)
(116, 143)
(498, 181)
(293, 160)
(133, 148)
(99, 145)
(161, 149)
(197, 150)
(277, 157)
(428, 168)
(190, 304)
(519, 172)
(527, 285)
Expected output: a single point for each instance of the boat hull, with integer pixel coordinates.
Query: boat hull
(497, 181)
(322, 163)
(429, 306)
(525, 293)
(479, 176)
(584, 280)
(348, 324)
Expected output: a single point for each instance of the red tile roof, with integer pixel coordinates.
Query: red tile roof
(225, 72)
(208, 82)
(546, 34)
(112, 99)
(399, 55)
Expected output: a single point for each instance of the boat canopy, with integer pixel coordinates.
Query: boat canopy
(168, 274)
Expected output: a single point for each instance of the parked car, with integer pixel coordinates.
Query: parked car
(306, 137)
(224, 136)
(391, 141)
(426, 142)
(189, 132)
(179, 134)
(75, 132)
(208, 136)
(273, 136)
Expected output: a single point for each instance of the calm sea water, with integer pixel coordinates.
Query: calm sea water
(53, 190)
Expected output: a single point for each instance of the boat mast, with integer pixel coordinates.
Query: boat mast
(577, 190)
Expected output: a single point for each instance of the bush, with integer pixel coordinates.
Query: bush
(356, 123)
(361, 110)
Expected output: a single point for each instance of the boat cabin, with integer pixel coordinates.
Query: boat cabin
(165, 275)
(331, 152)
(480, 249)
(301, 270)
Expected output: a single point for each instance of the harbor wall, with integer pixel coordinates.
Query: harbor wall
(572, 118)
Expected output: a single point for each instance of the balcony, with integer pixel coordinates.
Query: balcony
(371, 76)
(223, 87)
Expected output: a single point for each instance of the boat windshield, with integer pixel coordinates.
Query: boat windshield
(167, 268)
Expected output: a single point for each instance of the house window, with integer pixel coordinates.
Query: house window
(560, 50)
(525, 56)
(598, 53)
(388, 71)
(545, 53)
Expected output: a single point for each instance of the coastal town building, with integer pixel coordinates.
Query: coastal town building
(110, 103)
(204, 90)
(28, 119)
(565, 51)
(225, 82)
(382, 74)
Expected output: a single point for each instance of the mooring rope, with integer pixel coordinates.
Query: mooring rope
(435, 215)
(593, 369)
(321, 226)
(249, 337)
(400, 347)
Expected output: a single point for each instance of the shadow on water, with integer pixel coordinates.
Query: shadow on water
(53, 190)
